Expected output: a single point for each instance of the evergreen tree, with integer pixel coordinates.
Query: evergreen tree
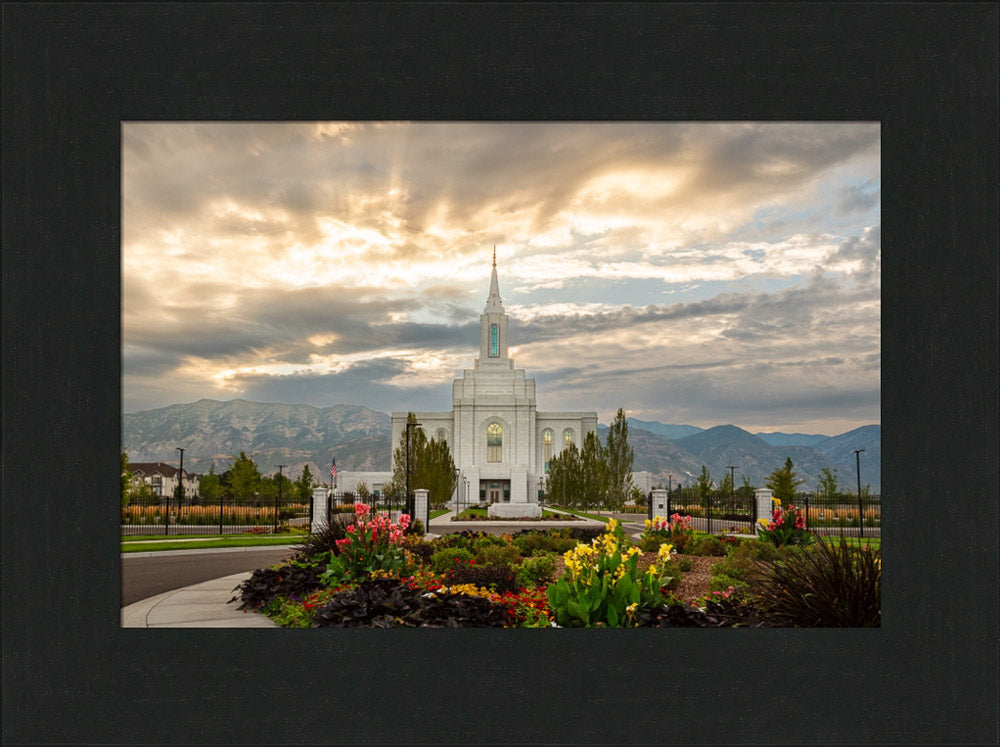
(593, 472)
(620, 457)
(783, 482)
(564, 485)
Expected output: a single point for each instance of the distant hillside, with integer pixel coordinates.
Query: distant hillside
(272, 434)
(296, 435)
(673, 432)
(792, 439)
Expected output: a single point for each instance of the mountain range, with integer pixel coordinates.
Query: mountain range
(296, 435)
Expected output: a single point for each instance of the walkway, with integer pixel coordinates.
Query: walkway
(203, 605)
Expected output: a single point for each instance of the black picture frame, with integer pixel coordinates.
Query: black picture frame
(73, 72)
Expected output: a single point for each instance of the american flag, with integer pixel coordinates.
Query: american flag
(333, 470)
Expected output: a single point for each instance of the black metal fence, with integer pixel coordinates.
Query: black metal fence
(837, 515)
(159, 515)
(841, 514)
(341, 504)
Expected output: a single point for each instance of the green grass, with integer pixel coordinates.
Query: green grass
(230, 540)
(439, 512)
(873, 542)
(596, 517)
(470, 513)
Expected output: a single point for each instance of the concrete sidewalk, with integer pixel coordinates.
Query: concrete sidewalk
(203, 605)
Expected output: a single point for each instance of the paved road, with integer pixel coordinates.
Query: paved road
(144, 577)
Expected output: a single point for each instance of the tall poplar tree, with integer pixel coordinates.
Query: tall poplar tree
(620, 456)
(593, 471)
(563, 484)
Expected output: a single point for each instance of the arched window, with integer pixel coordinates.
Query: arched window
(569, 438)
(494, 341)
(494, 442)
(547, 448)
(442, 435)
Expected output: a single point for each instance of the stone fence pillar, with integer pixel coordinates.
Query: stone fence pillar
(659, 503)
(421, 507)
(319, 506)
(763, 497)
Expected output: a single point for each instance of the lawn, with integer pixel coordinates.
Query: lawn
(156, 543)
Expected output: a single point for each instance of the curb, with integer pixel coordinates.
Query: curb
(202, 605)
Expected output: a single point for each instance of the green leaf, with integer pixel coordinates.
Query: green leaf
(612, 617)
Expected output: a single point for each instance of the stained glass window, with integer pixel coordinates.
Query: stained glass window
(494, 442)
(494, 341)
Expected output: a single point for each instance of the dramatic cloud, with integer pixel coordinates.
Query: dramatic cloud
(690, 272)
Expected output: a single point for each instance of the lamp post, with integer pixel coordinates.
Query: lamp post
(180, 491)
(408, 426)
(277, 499)
(458, 485)
(861, 508)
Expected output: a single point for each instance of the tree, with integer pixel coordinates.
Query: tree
(418, 443)
(593, 471)
(827, 489)
(704, 486)
(726, 486)
(210, 486)
(431, 465)
(243, 478)
(126, 480)
(304, 485)
(564, 485)
(436, 472)
(620, 457)
(783, 482)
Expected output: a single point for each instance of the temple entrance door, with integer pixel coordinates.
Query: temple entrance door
(494, 494)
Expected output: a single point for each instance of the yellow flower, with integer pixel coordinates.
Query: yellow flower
(663, 554)
(648, 523)
(775, 501)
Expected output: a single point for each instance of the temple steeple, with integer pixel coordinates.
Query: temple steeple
(493, 326)
(493, 303)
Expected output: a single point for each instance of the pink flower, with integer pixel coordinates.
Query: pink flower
(361, 509)
(351, 529)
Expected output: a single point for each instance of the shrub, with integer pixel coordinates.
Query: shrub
(706, 544)
(651, 544)
(744, 560)
(826, 585)
(536, 570)
(531, 541)
(415, 527)
(449, 558)
(722, 582)
(502, 554)
(684, 564)
(498, 578)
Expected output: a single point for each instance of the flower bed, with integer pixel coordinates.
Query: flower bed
(374, 574)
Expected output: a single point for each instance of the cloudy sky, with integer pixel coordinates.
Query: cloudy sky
(694, 273)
